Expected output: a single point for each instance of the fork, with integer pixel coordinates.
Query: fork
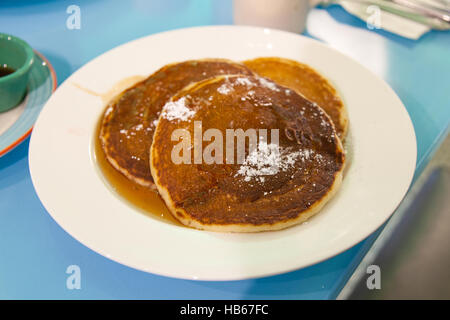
(432, 17)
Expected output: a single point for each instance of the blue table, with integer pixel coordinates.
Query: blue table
(35, 252)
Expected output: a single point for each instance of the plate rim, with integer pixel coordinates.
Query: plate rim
(279, 270)
(24, 135)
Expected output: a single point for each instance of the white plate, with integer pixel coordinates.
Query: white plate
(382, 157)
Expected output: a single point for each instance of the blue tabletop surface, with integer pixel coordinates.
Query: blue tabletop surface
(35, 252)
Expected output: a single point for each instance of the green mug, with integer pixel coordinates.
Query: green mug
(17, 55)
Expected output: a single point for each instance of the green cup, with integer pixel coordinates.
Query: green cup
(19, 56)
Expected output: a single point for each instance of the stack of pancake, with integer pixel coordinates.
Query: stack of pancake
(261, 94)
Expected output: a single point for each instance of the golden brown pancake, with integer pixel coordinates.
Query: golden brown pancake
(269, 190)
(129, 121)
(307, 82)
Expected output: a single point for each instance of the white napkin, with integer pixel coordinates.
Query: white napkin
(387, 21)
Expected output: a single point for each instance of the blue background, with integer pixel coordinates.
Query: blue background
(35, 251)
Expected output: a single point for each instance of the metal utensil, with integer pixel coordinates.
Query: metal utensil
(400, 10)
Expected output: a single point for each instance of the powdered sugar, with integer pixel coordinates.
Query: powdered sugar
(265, 160)
(270, 159)
(225, 88)
(177, 110)
(268, 84)
(244, 82)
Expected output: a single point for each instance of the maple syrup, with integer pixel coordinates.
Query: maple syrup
(5, 70)
(148, 201)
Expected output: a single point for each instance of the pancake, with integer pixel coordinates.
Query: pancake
(129, 121)
(276, 186)
(307, 82)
